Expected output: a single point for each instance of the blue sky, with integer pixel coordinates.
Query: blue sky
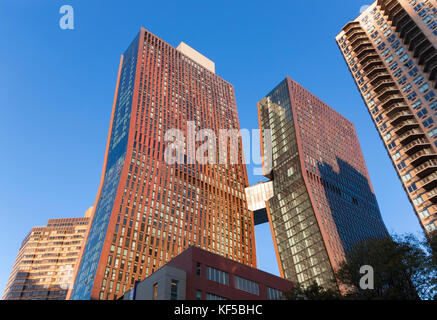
(57, 86)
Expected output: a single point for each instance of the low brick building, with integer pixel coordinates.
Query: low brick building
(197, 274)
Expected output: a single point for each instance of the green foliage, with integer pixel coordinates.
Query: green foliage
(312, 292)
(404, 268)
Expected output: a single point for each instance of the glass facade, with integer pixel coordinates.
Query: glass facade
(323, 203)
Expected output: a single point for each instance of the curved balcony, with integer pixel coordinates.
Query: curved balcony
(382, 84)
(432, 195)
(386, 93)
(362, 46)
(426, 168)
(387, 5)
(397, 108)
(380, 77)
(351, 26)
(407, 27)
(421, 156)
(371, 56)
(365, 51)
(416, 40)
(430, 60)
(433, 72)
(405, 126)
(371, 63)
(411, 34)
(376, 71)
(354, 35)
(429, 182)
(357, 41)
(410, 135)
(391, 100)
(416, 145)
(399, 18)
(401, 116)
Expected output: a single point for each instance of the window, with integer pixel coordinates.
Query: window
(428, 122)
(391, 145)
(424, 87)
(274, 294)
(198, 295)
(409, 64)
(395, 44)
(210, 296)
(393, 65)
(217, 275)
(404, 57)
(418, 201)
(389, 59)
(433, 105)
(402, 80)
(401, 165)
(246, 285)
(399, 51)
(430, 227)
(385, 52)
(198, 269)
(418, 79)
(406, 177)
(396, 156)
(422, 113)
(155, 291)
(413, 71)
(397, 73)
(429, 96)
(432, 133)
(417, 104)
(412, 188)
(387, 136)
(406, 88)
(412, 96)
(174, 290)
(423, 214)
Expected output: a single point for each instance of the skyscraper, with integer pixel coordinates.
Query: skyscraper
(390, 50)
(148, 208)
(44, 267)
(323, 202)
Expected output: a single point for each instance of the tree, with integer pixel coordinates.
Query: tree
(402, 269)
(312, 292)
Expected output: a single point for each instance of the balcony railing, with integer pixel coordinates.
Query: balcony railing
(416, 145)
(429, 182)
(426, 168)
(390, 100)
(395, 109)
(410, 135)
(404, 126)
(383, 84)
(421, 156)
(400, 116)
(432, 195)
